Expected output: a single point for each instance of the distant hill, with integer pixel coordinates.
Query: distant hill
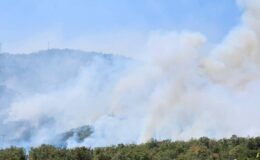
(78, 134)
(23, 75)
(49, 69)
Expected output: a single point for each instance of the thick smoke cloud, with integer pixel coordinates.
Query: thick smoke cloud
(177, 88)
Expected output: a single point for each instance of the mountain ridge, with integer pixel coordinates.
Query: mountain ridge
(48, 73)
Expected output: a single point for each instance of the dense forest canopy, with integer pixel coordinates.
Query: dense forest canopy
(195, 149)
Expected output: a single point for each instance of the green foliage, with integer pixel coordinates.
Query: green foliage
(79, 153)
(47, 152)
(12, 153)
(194, 149)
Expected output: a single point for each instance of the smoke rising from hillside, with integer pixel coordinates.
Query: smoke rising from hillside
(178, 88)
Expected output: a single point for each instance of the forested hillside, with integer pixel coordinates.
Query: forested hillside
(42, 80)
(194, 149)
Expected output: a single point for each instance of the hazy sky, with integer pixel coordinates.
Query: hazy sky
(86, 22)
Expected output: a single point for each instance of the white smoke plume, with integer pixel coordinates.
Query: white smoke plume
(178, 88)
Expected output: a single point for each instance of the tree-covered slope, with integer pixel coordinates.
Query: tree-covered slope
(195, 149)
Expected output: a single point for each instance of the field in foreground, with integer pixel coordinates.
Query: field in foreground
(194, 149)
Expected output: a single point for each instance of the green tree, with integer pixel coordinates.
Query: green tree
(12, 153)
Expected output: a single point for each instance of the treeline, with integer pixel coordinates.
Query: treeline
(195, 149)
